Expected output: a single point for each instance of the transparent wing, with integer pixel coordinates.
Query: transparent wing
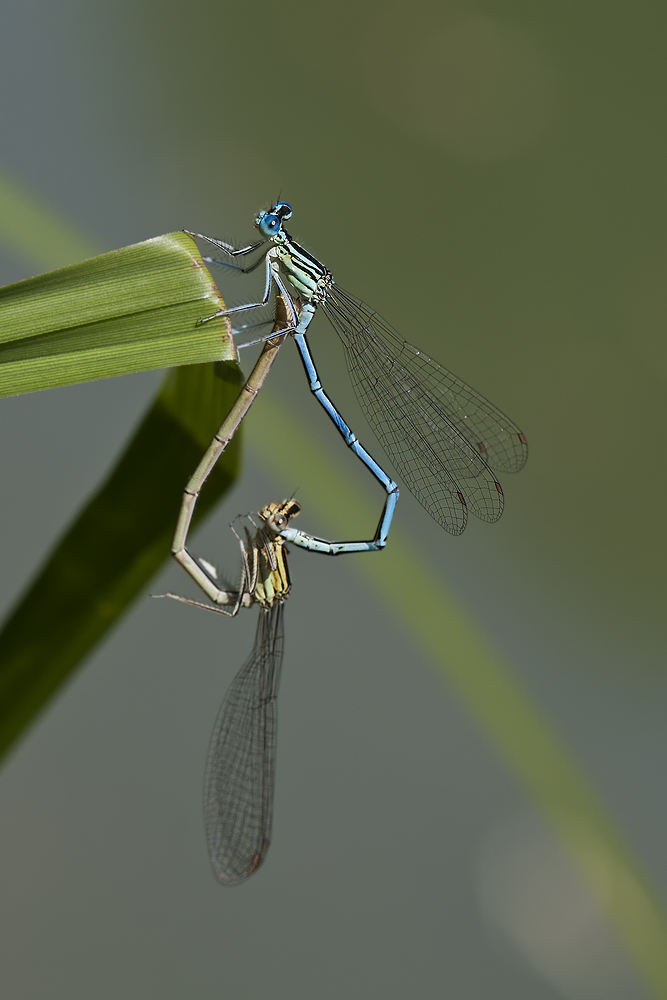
(443, 437)
(239, 777)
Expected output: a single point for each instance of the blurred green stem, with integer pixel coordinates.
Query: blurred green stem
(116, 544)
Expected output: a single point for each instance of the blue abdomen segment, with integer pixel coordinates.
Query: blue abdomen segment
(390, 487)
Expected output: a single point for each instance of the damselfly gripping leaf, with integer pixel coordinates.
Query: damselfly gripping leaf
(446, 441)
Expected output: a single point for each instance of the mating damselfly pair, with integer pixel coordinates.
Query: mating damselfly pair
(445, 440)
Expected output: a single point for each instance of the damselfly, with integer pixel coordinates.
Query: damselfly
(443, 437)
(240, 769)
(199, 569)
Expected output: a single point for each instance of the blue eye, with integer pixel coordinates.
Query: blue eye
(269, 225)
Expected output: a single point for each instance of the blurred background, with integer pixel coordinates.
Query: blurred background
(490, 178)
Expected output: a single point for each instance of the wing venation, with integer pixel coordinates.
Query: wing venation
(240, 769)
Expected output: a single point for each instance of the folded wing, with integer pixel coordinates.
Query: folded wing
(240, 770)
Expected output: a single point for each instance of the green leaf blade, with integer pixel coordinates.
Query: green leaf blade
(120, 539)
(130, 310)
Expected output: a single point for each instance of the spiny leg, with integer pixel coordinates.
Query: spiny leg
(246, 589)
(227, 248)
(249, 305)
(236, 598)
(237, 267)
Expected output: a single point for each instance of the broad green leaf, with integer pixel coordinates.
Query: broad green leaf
(125, 311)
(119, 540)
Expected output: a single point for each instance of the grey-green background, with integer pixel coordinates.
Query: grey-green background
(490, 177)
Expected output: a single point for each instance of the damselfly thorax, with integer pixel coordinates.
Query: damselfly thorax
(304, 273)
(268, 573)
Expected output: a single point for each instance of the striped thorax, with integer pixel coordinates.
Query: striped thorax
(266, 554)
(301, 270)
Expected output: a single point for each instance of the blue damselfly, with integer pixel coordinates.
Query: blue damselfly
(444, 438)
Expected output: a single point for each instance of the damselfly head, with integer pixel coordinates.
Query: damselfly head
(278, 515)
(269, 223)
